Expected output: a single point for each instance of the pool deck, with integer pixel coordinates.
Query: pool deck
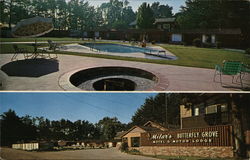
(45, 75)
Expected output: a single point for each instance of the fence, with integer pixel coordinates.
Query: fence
(26, 146)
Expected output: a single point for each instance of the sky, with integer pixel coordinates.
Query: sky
(136, 3)
(73, 106)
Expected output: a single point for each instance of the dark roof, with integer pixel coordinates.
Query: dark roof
(164, 20)
(157, 127)
(133, 23)
(148, 129)
(232, 31)
(119, 134)
(157, 20)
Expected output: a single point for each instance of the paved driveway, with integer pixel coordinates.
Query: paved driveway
(112, 153)
(45, 76)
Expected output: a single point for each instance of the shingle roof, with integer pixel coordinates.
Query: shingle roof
(157, 20)
(133, 23)
(210, 31)
(164, 20)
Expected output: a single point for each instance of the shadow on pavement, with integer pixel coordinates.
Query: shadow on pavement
(31, 67)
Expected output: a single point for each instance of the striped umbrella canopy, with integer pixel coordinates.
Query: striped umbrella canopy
(33, 27)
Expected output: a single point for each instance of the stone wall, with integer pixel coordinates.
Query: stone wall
(199, 151)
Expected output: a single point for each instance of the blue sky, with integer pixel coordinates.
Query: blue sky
(73, 106)
(136, 3)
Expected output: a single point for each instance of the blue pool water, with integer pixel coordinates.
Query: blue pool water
(118, 48)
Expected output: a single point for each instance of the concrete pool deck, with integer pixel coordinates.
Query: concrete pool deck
(45, 75)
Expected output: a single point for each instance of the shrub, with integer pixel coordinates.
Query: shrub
(124, 147)
(184, 43)
(218, 44)
(134, 151)
(207, 45)
(247, 51)
(197, 42)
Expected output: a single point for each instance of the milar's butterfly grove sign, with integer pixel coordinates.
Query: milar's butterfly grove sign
(210, 136)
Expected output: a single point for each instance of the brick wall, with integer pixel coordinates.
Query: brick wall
(199, 151)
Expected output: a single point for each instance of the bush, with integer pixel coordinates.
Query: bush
(207, 45)
(184, 43)
(197, 42)
(247, 51)
(135, 152)
(218, 44)
(124, 147)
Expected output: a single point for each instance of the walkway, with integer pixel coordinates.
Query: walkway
(45, 76)
(112, 153)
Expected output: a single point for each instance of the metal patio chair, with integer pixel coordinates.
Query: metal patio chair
(231, 68)
(245, 70)
(52, 49)
(19, 50)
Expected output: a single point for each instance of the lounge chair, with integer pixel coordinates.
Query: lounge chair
(245, 70)
(19, 51)
(231, 68)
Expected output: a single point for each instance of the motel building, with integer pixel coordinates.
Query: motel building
(206, 130)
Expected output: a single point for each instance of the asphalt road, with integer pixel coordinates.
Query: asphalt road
(111, 153)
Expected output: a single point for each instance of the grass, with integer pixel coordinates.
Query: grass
(187, 56)
(38, 39)
(204, 57)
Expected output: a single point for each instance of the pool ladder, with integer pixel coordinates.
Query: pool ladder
(93, 49)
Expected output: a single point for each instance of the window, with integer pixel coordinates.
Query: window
(135, 141)
(176, 37)
(196, 111)
(211, 109)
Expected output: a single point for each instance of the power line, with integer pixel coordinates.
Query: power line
(95, 106)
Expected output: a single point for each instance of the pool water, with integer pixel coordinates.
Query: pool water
(118, 48)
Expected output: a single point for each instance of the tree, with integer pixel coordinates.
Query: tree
(109, 127)
(29, 130)
(11, 128)
(145, 17)
(214, 14)
(128, 16)
(161, 11)
(117, 14)
(217, 14)
(14, 10)
(61, 15)
(160, 109)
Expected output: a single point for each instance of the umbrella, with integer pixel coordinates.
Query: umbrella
(33, 27)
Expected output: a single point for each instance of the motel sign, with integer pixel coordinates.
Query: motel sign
(210, 136)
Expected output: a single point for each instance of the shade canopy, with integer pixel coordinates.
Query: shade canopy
(33, 27)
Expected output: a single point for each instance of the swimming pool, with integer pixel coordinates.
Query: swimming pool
(118, 48)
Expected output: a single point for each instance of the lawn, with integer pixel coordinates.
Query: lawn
(204, 57)
(187, 55)
(38, 39)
